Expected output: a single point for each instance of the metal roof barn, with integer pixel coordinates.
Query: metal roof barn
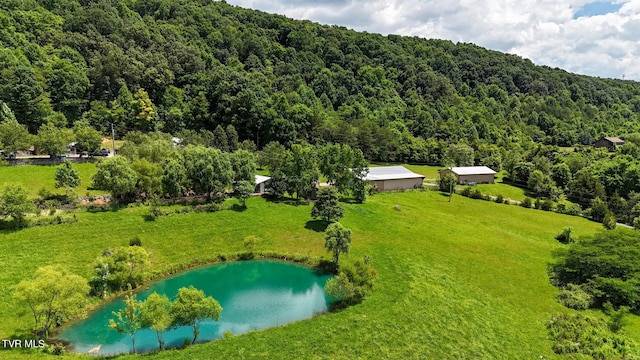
(387, 178)
(471, 174)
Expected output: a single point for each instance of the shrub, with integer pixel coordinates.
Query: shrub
(636, 223)
(353, 283)
(447, 182)
(609, 221)
(526, 202)
(599, 210)
(574, 297)
(250, 242)
(618, 318)
(466, 191)
(569, 209)
(135, 241)
(587, 336)
(565, 236)
(476, 194)
(538, 203)
(499, 199)
(547, 205)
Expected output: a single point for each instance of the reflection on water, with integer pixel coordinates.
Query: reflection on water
(253, 294)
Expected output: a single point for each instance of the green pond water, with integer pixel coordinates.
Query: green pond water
(253, 294)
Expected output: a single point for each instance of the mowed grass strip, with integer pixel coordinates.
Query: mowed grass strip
(465, 279)
(35, 177)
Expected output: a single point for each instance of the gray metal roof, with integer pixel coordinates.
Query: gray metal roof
(472, 170)
(391, 173)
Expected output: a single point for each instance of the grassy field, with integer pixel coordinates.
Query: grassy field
(35, 177)
(500, 188)
(465, 279)
(108, 144)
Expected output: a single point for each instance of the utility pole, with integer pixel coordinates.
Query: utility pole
(113, 139)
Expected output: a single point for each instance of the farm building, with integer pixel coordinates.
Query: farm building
(387, 178)
(471, 174)
(608, 142)
(261, 182)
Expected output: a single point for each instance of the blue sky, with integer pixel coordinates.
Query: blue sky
(597, 8)
(598, 38)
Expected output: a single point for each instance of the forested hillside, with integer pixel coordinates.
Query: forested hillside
(175, 65)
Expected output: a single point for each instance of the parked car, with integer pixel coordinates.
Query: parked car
(7, 156)
(102, 152)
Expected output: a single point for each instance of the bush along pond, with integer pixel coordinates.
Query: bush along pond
(254, 295)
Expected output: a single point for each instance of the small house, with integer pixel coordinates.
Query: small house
(608, 142)
(261, 182)
(471, 174)
(387, 178)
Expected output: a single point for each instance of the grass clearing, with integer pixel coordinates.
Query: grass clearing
(499, 188)
(35, 177)
(465, 279)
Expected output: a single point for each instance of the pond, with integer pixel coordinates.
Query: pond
(255, 294)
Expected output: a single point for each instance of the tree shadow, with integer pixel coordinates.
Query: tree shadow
(238, 208)
(287, 201)
(316, 225)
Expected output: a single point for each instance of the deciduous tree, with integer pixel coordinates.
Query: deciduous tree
(337, 240)
(14, 202)
(87, 138)
(52, 140)
(129, 319)
(191, 307)
(52, 296)
(14, 137)
(156, 314)
(115, 175)
(67, 177)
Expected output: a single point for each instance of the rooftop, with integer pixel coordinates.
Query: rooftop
(472, 170)
(260, 179)
(614, 139)
(391, 173)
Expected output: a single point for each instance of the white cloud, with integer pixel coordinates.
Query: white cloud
(541, 30)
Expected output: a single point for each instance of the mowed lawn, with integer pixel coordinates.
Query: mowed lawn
(465, 279)
(35, 177)
(499, 188)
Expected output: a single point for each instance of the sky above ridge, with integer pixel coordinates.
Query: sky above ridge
(597, 38)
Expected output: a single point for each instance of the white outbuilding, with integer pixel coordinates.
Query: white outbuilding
(261, 182)
(471, 174)
(387, 178)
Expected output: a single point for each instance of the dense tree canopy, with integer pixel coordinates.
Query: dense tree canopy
(606, 265)
(246, 75)
(220, 76)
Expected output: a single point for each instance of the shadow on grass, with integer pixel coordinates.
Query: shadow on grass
(11, 226)
(238, 208)
(105, 208)
(316, 225)
(349, 200)
(287, 201)
(149, 217)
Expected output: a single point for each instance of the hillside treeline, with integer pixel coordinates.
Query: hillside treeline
(193, 65)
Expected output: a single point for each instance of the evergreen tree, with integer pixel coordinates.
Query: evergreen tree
(327, 206)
